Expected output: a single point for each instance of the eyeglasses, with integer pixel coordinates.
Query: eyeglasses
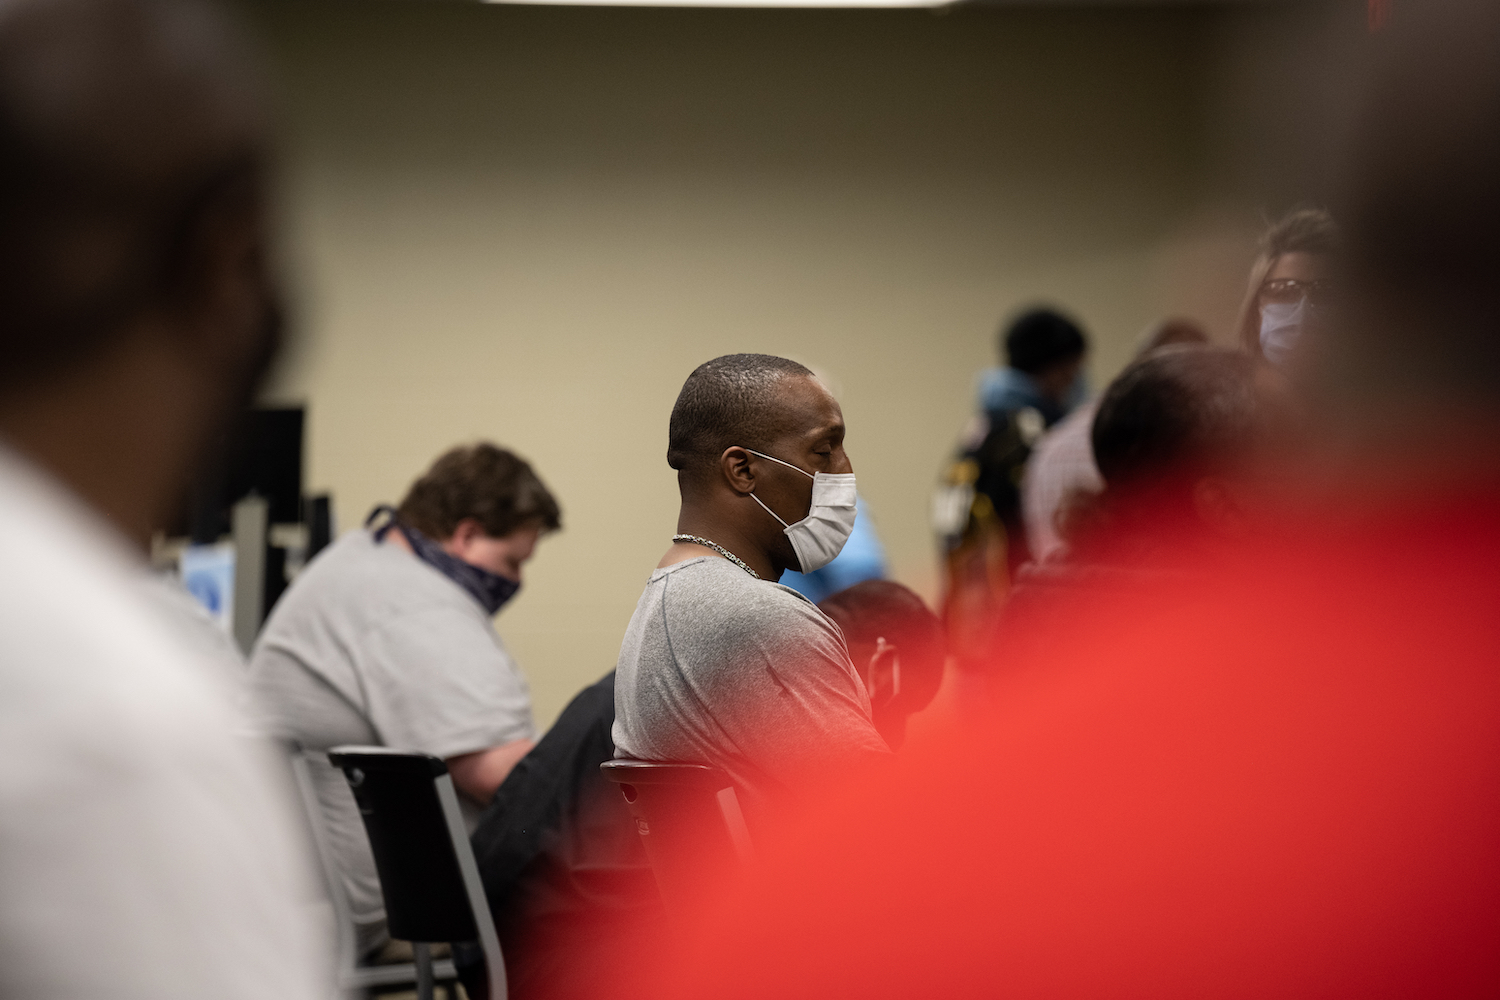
(1292, 290)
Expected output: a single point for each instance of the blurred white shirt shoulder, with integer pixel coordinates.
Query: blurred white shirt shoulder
(147, 845)
(193, 625)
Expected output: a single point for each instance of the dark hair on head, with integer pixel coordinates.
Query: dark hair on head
(1175, 411)
(874, 609)
(728, 401)
(484, 482)
(129, 130)
(1040, 338)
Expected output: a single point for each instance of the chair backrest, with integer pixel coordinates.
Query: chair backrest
(428, 876)
(689, 819)
(353, 979)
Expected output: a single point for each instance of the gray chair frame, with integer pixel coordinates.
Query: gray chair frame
(451, 818)
(352, 979)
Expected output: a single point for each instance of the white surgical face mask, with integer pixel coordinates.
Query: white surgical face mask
(821, 535)
(1280, 326)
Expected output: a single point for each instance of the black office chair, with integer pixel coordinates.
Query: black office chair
(354, 980)
(689, 819)
(427, 872)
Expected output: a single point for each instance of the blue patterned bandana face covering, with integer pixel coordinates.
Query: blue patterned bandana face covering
(491, 590)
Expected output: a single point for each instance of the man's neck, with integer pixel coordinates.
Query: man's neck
(726, 536)
(395, 538)
(118, 443)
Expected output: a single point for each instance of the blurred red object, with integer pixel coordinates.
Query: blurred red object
(1279, 778)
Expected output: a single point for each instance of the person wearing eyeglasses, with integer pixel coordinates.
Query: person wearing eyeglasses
(1288, 283)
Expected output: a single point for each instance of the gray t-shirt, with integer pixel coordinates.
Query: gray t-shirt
(720, 668)
(370, 645)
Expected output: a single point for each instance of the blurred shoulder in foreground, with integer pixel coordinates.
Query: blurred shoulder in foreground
(146, 847)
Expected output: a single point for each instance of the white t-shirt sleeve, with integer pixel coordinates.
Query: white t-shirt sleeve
(146, 866)
(438, 681)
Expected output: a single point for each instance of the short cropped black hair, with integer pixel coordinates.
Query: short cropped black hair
(494, 486)
(726, 402)
(1174, 411)
(1040, 338)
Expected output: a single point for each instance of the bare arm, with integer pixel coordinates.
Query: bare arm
(478, 774)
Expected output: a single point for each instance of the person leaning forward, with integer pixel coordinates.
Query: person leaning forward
(386, 639)
(720, 664)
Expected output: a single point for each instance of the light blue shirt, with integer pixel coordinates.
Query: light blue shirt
(1006, 390)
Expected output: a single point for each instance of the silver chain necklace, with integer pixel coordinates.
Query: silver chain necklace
(721, 550)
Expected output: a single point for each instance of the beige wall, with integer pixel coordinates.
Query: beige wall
(529, 224)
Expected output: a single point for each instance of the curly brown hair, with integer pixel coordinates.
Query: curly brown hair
(483, 481)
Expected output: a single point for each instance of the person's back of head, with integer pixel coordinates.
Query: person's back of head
(898, 646)
(732, 400)
(1046, 345)
(481, 482)
(1176, 419)
(132, 256)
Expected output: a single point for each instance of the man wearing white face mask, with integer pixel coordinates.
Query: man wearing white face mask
(720, 665)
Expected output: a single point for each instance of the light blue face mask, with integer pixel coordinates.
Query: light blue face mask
(1281, 328)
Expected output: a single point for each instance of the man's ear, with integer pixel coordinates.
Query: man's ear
(734, 464)
(1219, 507)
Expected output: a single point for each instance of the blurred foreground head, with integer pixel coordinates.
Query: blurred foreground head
(138, 311)
(1418, 361)
(898, 647)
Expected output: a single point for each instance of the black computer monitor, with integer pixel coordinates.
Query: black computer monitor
(262, 455)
